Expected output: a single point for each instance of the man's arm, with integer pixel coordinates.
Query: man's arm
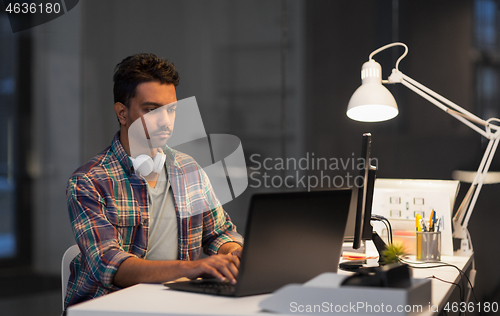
(96, 236)
(219, 233)
(134, 270)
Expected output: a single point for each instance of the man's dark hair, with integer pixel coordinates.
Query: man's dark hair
(136, 69)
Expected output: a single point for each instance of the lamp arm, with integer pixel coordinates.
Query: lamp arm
(464, 116)
(452, 105)
(462, 217)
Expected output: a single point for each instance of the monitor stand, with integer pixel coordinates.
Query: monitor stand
(353, 265)
(379, 244)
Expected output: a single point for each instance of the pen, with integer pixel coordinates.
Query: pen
(438, 224)
(422, 224)
(417, 222)
(431, 221)
(418, 219)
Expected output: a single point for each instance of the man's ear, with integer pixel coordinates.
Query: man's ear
(121, 113)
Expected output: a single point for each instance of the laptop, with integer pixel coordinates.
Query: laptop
(291, 237)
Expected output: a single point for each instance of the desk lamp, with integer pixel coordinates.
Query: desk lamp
(372, 102)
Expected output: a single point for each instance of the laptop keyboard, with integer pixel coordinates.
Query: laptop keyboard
(215, 287)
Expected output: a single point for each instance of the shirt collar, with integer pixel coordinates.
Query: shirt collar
(120, 154)
(170, 153)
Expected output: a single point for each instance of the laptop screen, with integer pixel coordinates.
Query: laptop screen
(292, 237)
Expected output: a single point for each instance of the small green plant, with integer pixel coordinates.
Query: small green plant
(393, 253)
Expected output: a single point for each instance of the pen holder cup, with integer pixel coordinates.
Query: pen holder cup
(428, 246)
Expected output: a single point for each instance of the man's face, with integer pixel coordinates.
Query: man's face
(156, 102)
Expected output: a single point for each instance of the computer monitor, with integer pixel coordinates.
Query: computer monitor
(363, 230)
(360, 213)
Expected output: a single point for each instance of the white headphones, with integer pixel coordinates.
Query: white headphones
(144, 165)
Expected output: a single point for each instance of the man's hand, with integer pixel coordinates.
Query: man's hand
(237, 252)
(219, 266)
(231, 247)
(223, 266)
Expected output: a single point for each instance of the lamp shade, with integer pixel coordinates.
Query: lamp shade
(372, 102)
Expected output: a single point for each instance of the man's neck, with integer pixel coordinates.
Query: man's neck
(139, 148)
(124, 140)
(152, 178)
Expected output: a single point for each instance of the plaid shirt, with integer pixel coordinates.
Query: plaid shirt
(109, 213)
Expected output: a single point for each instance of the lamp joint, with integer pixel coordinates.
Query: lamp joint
(396, 76)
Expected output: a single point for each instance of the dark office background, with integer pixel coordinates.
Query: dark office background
(277, 74)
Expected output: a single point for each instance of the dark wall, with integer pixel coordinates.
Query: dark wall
(422, 141)
(228, 54)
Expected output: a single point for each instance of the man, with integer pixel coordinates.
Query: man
(133, 228)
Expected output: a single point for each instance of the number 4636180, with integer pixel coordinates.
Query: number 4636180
(463, 307)
(16, 7)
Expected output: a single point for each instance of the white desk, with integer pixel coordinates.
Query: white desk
(441, 291)
(156, 299)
